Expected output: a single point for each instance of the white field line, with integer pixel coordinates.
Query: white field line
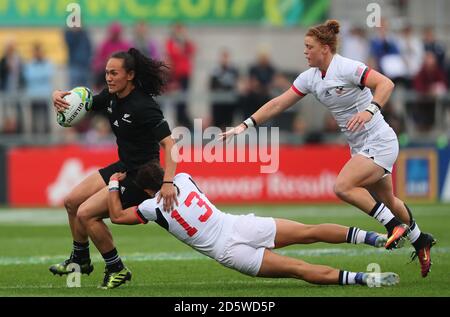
(45, 217)
(162, 284)
(188, 256)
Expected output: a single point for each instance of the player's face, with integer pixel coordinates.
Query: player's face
(116, 76)
(313, 51)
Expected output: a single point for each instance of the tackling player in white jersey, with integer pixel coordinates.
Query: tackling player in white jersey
(344, 87)
(241, 242)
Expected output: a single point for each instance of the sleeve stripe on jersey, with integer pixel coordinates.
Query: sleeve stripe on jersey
(364, 76)
(298, 92)
(140, 217)
(160, 220)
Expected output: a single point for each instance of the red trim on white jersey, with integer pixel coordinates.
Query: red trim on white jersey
(143, 221)
(366, 74)
(298, 92)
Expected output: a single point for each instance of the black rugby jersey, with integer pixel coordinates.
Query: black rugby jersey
(138, 124)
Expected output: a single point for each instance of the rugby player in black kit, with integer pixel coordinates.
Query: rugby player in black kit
(139, 126)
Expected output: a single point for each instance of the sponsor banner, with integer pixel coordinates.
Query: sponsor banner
(44, 176)
(444, 173)
(417, 175)
(3, 173)
(212, 12)
(305, 174)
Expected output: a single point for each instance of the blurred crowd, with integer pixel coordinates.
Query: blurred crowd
(417, 64)
(414, 59)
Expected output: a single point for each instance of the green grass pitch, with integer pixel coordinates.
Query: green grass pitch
(31, 240)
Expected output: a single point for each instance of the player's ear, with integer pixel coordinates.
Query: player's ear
(130, 75)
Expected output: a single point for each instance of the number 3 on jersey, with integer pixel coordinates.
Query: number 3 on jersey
(188, 202)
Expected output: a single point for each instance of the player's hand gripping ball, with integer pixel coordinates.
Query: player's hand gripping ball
(80, 103)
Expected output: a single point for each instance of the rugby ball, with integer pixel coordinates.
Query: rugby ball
(80, 103)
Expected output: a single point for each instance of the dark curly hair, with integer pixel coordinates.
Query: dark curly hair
(150, 75)
(150, 176)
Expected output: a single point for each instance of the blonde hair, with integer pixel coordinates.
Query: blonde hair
(326, 34)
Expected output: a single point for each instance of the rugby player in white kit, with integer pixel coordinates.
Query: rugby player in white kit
(344, 87)
(241, 242)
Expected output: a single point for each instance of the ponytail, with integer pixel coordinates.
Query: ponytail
(149, 75)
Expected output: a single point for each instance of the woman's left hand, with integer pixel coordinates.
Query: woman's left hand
(118, 176)
(356, 123)
(168, 193)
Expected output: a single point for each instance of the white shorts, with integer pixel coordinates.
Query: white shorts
(244, 250)
(382, 147)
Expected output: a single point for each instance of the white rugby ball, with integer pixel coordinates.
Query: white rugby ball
(80, 103)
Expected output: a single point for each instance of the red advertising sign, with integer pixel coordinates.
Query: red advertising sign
(44, 176)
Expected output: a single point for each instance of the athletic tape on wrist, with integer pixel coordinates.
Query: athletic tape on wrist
(113, 185)
(250, 122)
(373, 108)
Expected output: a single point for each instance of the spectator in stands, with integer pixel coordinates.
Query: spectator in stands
(261, 77)
(431, 44)
(39, 74)
(430, 83)
(143, 41)
(385, 54)
(11, 70)
(224, 80)
(113, 43)
(100, 134)
(355, 45)
(12, 82)
(263, 71)
(79, 48)
(180, 52)
(412, 51)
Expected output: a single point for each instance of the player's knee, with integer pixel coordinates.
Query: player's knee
(71, 204)
(341, 188)
(83, 214)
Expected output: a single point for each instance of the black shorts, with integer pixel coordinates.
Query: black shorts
(130, 194)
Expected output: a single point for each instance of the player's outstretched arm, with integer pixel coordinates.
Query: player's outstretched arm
(116, 213)
(269, 110)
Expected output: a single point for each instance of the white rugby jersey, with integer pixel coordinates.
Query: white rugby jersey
(342, 90)
(195, 221)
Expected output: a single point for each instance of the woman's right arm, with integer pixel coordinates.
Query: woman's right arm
(276, 106)
(269, 110)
